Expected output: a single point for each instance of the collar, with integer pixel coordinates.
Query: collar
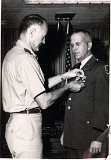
(25, 46)
(83, 62)
(90, 63)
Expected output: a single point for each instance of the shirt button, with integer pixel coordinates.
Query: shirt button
(87, 122)
(69, 99)
(69, 107)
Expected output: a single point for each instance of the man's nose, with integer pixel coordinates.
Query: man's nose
(74, 48)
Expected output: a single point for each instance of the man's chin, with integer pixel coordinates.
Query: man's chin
(76, 57)
(36, 49)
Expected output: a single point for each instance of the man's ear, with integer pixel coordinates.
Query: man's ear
(32, 31)
(89, 45)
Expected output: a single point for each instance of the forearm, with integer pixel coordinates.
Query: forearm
(53, 81)
(70, 87)
(45, 100)
(53, 96)
(101, 107)
(67, 75)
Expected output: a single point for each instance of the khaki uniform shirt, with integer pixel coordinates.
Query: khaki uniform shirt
(22, 79)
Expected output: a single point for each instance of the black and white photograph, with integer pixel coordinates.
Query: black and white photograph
(55, 79)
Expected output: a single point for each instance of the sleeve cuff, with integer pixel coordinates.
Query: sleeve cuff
(96, 133)
(39, 94)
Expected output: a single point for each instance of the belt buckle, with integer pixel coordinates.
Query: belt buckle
(27, 110)
(38, 108)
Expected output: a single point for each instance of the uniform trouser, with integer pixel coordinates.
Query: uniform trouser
(23, 135)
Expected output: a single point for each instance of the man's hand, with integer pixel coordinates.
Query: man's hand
(95, 147)
(73, 73)
(75, 86)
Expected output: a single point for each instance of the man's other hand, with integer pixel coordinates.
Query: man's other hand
(95, 147)
(75, 86)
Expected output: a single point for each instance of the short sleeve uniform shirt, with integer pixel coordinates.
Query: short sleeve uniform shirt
(22, 79)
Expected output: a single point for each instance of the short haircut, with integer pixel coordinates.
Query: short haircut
(29, 20)
(86, 34)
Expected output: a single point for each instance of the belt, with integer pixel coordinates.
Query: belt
(30, 111)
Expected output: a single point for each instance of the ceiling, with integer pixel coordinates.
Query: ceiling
(87, 14)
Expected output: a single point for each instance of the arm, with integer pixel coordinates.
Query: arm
(67, 75)
(101, 109)
(45, 99)
(100, 118)
(96, 146)
(35, 81)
